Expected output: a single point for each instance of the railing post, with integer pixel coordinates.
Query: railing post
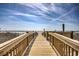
(27, 41)
(47, 35)
(53, 40)
(50, 40)
(63, 27)
(66, 50)
(71, 34)
(33, 35)
(76, 53)
(72, 52)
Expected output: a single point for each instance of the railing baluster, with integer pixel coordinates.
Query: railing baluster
(10, 53)
(53, 40)
(50, 39)
(72, 52)
(76, 53)
(69, 51)
(64, 50)
(27, 41)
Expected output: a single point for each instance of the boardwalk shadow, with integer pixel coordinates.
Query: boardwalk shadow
(29, 48)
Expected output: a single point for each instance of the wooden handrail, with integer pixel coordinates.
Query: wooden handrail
(14, 46)
(63, 45)
(72, 43)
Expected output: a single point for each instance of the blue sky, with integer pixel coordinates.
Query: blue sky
(36, 16)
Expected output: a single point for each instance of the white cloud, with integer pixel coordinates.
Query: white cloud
(14, 12)
(37, 6)
(57, 9)
(60, 17)
(41, 15)
(40, 9)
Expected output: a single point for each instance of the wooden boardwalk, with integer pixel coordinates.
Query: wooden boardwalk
(41, 47)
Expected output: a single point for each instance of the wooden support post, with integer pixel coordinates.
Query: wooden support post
(72, 52)
(69, 50)
(63, 27)
(76, 53)
(27, 41)
(50, 39)
(47, 35)
(72, 35)
(66, 50)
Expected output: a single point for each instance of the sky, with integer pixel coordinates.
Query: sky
(37, 16)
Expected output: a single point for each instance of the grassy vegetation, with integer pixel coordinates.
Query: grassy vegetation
(7, 36)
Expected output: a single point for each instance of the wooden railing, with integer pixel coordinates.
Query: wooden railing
(18, 45)
(63, 46)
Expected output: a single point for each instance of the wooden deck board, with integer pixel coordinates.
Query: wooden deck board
(41, 47)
